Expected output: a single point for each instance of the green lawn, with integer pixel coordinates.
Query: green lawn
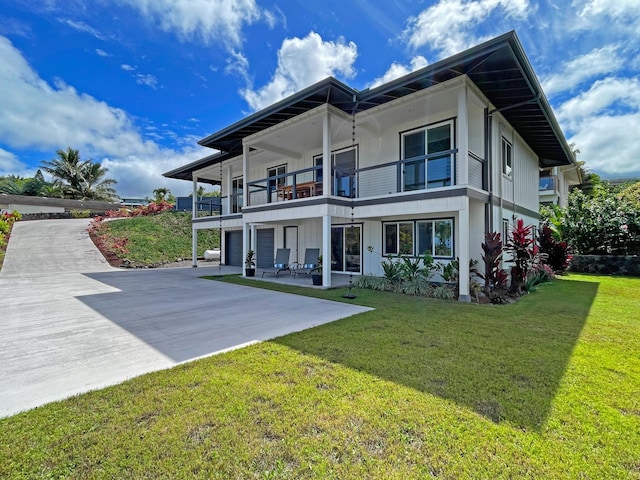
(547, 388)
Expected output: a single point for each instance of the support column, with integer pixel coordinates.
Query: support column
(464, 232)
(326, 250)
(245, 242)
(326, 154)
(245, 175)
(194, 232)
(253, 241)
(463, 137)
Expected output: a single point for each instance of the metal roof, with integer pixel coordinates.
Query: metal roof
(498, 67)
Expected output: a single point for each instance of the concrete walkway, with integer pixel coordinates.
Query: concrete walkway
(70, 323)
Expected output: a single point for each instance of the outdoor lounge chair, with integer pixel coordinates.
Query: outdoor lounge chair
(310, 262)
(281, 263)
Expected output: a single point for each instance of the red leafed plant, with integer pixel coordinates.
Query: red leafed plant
(495, 277)
(523, 251)
(558, 253)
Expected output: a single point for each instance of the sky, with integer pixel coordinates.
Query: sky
(134, 84)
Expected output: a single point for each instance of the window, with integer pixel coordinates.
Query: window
(274, 171)
(237, 195)
(414, 238)
(507, 158)
(505, 230)
(428, 170)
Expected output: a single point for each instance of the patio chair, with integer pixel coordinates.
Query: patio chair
(281, 263)
(310, 262)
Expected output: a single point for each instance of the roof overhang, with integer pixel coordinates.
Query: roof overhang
(498, 67)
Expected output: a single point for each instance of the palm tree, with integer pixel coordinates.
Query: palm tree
(161, 194)
(80, 179)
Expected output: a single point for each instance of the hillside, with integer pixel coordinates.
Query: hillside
(150, 241)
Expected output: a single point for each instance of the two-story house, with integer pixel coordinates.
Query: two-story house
(427, 162)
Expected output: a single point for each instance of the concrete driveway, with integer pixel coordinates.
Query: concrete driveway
(70, 323)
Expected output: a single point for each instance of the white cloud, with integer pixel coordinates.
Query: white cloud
(609, 144)
(148, 80)
(102, 53)
(397, 70)
(604, 122)
(303, 62)
(9, 163)
(599, 61)
(127, 68)
(37, 116)
(627, 10)
(236, 63)
(204, 20)
(605, 97)
(82, 27)
(445, 26)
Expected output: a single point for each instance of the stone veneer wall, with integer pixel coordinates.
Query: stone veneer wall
(606, 264)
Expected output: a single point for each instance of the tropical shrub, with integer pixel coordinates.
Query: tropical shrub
(494, 276)
(601, 225)
(521, 245)
(557, 254)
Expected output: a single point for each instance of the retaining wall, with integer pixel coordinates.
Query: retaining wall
(606, 264)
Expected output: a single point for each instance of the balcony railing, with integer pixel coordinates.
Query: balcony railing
(548, 184)
(438, 170)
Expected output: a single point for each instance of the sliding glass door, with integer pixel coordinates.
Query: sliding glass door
(346, 249)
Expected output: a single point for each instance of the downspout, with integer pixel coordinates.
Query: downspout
(489, 173)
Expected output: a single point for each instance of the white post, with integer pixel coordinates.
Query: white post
(326, 250)
(326, 154)
(245, 242)
(245, 175)
(253, 241)
(194, 232)
(464, 232)
(463, 137)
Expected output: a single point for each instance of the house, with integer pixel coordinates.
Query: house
(427, 162)
(556, 182)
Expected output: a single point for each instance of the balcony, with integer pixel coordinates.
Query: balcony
(438, 170)
(548, 184)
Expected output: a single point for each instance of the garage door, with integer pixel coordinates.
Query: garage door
(265, 248)
(233, 248)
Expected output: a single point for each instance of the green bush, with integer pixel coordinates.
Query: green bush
(80, 213)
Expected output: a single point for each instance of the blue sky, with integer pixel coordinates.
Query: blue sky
(135, 84)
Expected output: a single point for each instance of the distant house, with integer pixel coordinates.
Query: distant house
(133, 202)
(427, 162)
(556, 182)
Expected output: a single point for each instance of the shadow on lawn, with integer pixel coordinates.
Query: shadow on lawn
(505, 363)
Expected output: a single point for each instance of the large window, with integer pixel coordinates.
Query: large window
(416, 237)
(507, 158)
(434, 171)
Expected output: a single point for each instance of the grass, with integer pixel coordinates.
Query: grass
(165, 237)
(544, 388)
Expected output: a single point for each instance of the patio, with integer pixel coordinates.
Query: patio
(302, 280)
